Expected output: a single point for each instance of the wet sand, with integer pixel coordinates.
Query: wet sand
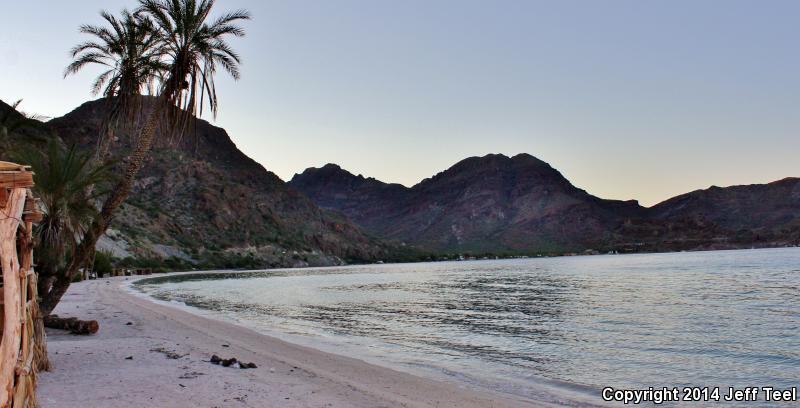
(161, 359)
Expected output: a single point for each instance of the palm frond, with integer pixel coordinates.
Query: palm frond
(195, 49)
(129, 46)
(66, 183)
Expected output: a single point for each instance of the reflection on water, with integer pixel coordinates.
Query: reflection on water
(728, 318)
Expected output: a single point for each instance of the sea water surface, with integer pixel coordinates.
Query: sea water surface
(715, 319)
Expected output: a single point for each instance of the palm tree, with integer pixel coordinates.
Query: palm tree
(64, 184)
(193, 50)
(130, 52)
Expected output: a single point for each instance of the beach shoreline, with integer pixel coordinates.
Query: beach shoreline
(151, 354)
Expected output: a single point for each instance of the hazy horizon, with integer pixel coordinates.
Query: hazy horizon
(629, 100)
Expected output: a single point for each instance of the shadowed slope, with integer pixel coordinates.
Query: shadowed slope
(204, 193)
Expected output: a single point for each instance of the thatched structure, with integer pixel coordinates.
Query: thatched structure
(22, 350)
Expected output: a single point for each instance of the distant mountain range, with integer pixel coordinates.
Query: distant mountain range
(204, 202)
(520, 204)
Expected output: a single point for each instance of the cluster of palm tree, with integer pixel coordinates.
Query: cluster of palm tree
(67, 185)
(159, 63)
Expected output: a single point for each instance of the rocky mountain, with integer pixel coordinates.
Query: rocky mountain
(202, 198)
(521, 204)
(369, 202)
(748, 213)
(17, 130)
(481, 204)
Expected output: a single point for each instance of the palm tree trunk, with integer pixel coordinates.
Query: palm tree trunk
(117, 196)
(46, 277)
(104, 145)
(53, 296)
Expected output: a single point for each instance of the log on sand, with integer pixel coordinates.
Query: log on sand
(73, 324)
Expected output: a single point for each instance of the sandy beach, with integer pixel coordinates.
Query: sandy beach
(152, 355)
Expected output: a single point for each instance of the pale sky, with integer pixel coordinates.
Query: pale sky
(628, 99)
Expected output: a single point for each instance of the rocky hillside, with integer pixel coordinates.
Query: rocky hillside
(521, 204)
(17, 131)
(481, 204)
(367, 201)
(757, 213)
(202, 198)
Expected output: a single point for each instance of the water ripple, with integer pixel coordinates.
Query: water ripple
(727, 318)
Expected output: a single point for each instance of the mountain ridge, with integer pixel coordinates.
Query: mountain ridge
(203, 200)
(528, 206)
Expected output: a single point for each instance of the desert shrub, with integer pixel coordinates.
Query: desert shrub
(103, 264)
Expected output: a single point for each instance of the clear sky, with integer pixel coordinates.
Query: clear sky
(628, 99)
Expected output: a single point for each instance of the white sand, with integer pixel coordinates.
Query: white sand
(92, 371)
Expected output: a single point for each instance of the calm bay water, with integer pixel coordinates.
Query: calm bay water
(725, 318)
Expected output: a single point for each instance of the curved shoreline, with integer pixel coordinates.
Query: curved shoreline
(92, 371)
(538, 389)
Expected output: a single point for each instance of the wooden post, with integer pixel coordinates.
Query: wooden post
(18, 350)
(12, 317)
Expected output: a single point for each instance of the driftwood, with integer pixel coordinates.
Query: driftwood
(19, 351)
(73, 324)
